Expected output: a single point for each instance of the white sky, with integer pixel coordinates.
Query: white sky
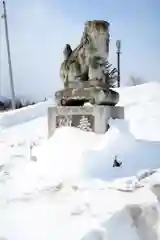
(37, 40)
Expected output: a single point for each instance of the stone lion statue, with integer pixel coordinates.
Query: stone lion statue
(85, 62)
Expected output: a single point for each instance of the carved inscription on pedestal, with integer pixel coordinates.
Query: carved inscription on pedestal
(84, 122)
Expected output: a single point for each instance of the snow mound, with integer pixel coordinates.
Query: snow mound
(22, 115)
(139, 94)
(141, 110)
(88, 155)
(134, 221)
(62, 156)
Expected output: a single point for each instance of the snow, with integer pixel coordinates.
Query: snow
(10, 118)
(66, 187)
(141, 106)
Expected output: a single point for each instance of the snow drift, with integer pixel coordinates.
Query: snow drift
(19, 116)
(88, 155)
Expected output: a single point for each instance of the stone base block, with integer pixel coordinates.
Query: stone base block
(87, 118)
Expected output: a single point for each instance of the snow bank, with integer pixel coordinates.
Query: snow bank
(136, 95)
(88, 155)
(62, 156)
(134, 222)
(91, 213)
(68, 157)
(19, 116)
(134, 155)
(142, 110)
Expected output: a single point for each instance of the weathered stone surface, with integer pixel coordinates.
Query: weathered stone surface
(85, 62)
(95, 95)
(83, 69)
(84, 72)
(87, 118)
(84, 122)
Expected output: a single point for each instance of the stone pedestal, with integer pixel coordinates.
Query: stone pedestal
(88, 118)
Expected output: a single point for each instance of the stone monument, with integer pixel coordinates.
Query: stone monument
(86, 102)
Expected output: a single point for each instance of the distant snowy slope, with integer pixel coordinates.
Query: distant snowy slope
(139, 94)
(142, 110)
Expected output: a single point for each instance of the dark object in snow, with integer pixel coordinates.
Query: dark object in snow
(116, 163)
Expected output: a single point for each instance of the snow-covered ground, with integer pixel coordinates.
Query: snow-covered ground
(67, 188)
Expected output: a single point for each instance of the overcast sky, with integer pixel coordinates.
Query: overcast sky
(39, 30)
